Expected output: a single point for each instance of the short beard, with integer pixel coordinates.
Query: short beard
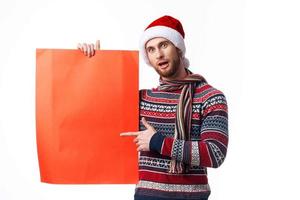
(172, 71)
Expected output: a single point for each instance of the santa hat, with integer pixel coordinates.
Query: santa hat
(167, 27)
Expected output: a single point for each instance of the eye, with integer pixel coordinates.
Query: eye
(150, 50)
(164, 45)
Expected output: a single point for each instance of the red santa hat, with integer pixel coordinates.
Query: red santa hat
(167, 27)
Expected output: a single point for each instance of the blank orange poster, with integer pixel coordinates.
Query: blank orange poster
(82, 106)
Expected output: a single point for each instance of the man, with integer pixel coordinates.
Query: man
(184, 121)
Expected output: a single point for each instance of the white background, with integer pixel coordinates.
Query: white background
(247, 49)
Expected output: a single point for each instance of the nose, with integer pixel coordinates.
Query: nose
(159, 54)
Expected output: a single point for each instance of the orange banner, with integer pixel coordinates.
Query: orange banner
(82, 105)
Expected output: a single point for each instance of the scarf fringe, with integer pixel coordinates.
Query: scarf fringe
(183, 113)
(178, 167)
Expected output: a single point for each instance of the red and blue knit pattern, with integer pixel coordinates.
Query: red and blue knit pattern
(207, 147)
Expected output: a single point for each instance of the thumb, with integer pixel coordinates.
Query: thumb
(97, 45)
(146, 124)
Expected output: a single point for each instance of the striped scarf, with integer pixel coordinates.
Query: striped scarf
(184, 110)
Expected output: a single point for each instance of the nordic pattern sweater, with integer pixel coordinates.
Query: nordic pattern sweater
(207, 147)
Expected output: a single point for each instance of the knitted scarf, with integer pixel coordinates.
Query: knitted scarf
(183, 112)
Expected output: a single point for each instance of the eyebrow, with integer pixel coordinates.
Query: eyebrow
(159, 44)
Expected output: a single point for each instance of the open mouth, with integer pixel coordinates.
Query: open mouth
(163, 64)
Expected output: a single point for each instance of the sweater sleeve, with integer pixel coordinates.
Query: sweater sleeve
(210, 150)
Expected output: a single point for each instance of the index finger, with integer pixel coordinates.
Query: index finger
(130, 134)
(79, 46)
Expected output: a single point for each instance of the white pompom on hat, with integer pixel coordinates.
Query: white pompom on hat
(167, 27)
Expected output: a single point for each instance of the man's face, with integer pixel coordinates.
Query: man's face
(163, 56)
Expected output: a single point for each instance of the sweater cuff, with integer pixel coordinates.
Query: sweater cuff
(156, 142)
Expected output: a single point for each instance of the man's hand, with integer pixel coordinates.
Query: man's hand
(89, 49)
(143, 138)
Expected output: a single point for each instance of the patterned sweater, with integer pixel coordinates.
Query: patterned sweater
(207, 147)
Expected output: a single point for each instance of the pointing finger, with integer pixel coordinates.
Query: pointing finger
(130, 134)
